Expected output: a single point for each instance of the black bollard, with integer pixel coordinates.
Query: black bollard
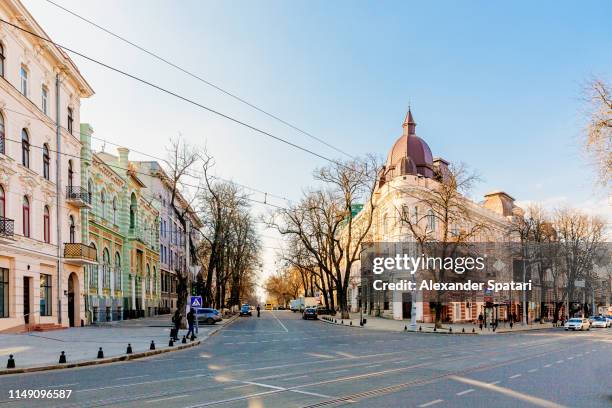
(129, 349)
(450, 329)
(11, 362)
(184, 341)
(473, 330)
(435, 328)
(420, 328)
(463, 330)
(193, 337)
(62, 359)
(152, 346)
(100, 353)
(170, 343)
(351, 322)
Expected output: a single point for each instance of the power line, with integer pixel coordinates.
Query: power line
(199, 78)
(176, 95)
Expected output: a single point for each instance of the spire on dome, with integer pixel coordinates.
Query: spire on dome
(409, 124)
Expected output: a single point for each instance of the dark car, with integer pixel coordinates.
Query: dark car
(310, 313)
(322, 310)
(245, 310)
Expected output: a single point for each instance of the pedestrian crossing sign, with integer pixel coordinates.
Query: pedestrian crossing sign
(196, 301)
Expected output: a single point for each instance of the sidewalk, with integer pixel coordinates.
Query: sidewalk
(379, 323)
(80, 344)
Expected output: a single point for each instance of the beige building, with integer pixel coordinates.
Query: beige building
(411, 170)
(41, 258)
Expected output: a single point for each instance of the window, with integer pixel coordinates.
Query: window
(70, 120)
(46, 225)
(44, 103)
(2, 134)
(106, 269)
(133, 211)
(103, 203)
(117, 271)
(26, 216)
(1, 70)
(431, 218)
(23, 78)
(415, 215)
(72, 230)
(2, 203)
(70, 173)
(115, 210)
(93, 271)
(45, 295)
(154, 290)
(148, 281)
(46, 161)
(25, 148)
(4, 292)
(90, 189)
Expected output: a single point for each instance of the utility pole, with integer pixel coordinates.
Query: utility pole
(58, 196)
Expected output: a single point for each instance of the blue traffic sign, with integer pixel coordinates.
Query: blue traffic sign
(195, 301)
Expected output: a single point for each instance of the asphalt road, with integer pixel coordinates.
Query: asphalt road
(282, 361)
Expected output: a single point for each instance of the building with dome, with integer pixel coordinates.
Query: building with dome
(409, 172)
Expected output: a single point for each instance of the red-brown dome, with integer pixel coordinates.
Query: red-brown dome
(410, 154)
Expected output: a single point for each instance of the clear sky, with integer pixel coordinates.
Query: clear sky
(498, 86)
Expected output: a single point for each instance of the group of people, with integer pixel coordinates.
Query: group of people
(191, 318)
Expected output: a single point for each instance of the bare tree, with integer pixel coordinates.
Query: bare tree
(443, 221)
(598, 141)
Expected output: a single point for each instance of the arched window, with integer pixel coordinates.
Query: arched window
(103, 203)
(72, 228)
(154, 280)
(46, 225)
(46, 161)
(90, 190)
(115, 210)
(2, 57)
(25, 207)
(133, 208)
(93, 270)
(117, 271)
(2, 202)
(106, 268)
(148, 281)
(2, 134)
(25, 148)
(23, 80)
(44, 102)
(70, 173)
(431, 218)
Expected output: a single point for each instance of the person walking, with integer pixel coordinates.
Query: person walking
(191, 321)
(176, 320)
(258, 311)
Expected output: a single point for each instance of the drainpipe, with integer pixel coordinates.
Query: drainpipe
(58, 197)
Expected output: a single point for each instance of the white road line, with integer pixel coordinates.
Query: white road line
(233, 387)
(279, 322)
(559, 361)
(547, 365)
(430, 403)
(337, 371)
(61, 385)
(166, 398)
(129, 378)
(570, 358)
(515, 376)
(533, 370)
(494, 382)
(373, 365)
(314, 394)
(293, 378)
(465, 392)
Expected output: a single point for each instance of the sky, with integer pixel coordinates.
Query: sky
(497, 86)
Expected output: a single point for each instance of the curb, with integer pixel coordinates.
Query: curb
(402, 331)
(123, 357)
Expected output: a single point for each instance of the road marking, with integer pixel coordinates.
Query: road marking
(129, 378)
(233, 387)
(494, 382)
(314, 394)
(547, 365)
(506, 391)
(570, 358)
(373, 365)
(228, 343)
(515, 376)
(293, 378)
(430, 403)
(279, 322)
(559, 361)
(338, 371)
(345, 354)
(61, 385)
(166, 398)
(533, 370)
(320, 355)
(191, 369)
(465, 392)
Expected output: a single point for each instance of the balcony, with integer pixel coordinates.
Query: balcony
(7, 230)
(79, 254)
(78, 196)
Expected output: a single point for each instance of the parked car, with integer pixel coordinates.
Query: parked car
(322, 310)
(268, 306)
(600, 322)
(310, 313)
(281, 307)
(208, 316)
(245, 310)
(577, 323)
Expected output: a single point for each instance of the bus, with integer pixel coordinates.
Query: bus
(268, 306)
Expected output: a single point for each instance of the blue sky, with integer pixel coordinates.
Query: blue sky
(497, 86)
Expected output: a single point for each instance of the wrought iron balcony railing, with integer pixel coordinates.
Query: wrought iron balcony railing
(7, 227)
(80, 253)
(78, 196)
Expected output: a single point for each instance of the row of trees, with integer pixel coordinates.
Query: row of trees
(227, 248)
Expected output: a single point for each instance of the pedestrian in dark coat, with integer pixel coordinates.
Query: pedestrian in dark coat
(176, 320)
(190, 322)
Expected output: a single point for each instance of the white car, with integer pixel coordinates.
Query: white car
(600, 322)
(577, 323)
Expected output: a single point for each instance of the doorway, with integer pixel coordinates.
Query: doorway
(73, 286)
(26, 300)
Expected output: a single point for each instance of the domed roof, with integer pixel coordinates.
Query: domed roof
(410, 154)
